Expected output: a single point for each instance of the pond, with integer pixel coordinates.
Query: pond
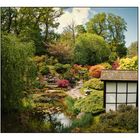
(63, 120)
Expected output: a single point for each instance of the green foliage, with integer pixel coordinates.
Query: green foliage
(44, 70)
(83, 121)
(121, 50)
(27, 103)
(90, 49)
(126, 118)
(106, 65)
(62, 68)
(35, 126)
(62, 51)
(129, 63)
(112, 57)
(41, 62)
(52, 61)
(80, 29)
(18, 71)
(92, 103)
(39, 59)
(133, 49)
(69, 101)
(27, 24)
(111, 27)
(98, 25)
(94, 83)
(38, 84)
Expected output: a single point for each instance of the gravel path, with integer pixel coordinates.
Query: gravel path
(75, 92)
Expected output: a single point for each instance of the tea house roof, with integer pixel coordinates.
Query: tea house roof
(119, 75)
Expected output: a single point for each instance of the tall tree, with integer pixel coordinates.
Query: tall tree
(80, 29)
(98, 25)
(18, 71)
(111, 28)
(7, 17)
(133, 49)
(69, 34)
(36, 24)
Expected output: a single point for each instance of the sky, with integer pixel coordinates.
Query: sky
(82, 15)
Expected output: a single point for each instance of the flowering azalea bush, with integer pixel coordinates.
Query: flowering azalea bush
(95, 71)
(63, 83)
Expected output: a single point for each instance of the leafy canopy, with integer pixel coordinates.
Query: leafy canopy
(90, 49)
(18, 71)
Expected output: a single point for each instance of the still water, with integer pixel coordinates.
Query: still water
(61, 118)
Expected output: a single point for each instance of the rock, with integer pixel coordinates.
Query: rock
(81, 114)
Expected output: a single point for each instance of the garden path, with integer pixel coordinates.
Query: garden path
(75, 92)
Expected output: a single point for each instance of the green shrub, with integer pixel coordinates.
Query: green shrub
(69, 101)
(92, 103)
(126, 118)
(18, 71)
(106, 65)
(93, 84)
(69, 76)
(129, 63)
(37, 84)
(39, 59)
(52, 61)
(44, 70)
(83, 121)
(62, 68)
(112, 57)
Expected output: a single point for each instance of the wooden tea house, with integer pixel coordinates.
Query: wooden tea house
(120, 87)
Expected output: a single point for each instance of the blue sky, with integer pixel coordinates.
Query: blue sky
(82, 15)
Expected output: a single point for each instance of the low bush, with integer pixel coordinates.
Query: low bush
(83, 121)
(95, 71)
(44, 70)
(63, 83)
(70, 77)
(62, 68)
(94, 84)
(126, 118)
(106, 65)
(39, 59)
(129, 63)
(93, 103)
(52, 61)
(69, 101)
(38, 84)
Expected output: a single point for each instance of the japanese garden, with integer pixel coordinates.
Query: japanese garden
(83, 79)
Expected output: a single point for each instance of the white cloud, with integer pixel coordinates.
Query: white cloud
(78, 15)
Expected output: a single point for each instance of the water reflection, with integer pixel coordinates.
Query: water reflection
(63, 119)
(60, 120)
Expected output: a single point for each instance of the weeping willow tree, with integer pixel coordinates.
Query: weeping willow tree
(18, 71)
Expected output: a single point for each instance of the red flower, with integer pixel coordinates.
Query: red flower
(63, 83)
